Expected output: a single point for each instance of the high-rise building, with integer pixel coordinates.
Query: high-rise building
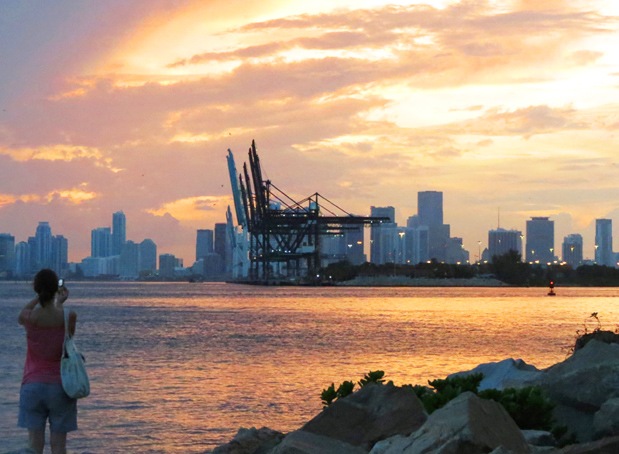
(417, 244)
(101, 242)
(32, 250)
(378, 250)
(354, 240)
(222, 245)
(147, 256)
(332, 249)
(167, 265)
(604, 242)
(501, 241)
(43, 240)
(119, 232)
(7, 254)
(430, 212)
(347, 245)
(60, 253)
(540, 240)
(129, 260)
(204, 243)
(413, 221)
(23, 260)
(430, 208)
(455, 252)
(97, 266)
(572, 250)
(212, 266)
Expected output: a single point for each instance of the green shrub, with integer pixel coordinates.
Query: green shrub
(528, 407)
(328, 395)
(345, 389)
(372, 377)
(442, 391)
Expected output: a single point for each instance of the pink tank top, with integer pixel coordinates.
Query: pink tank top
(44, 352)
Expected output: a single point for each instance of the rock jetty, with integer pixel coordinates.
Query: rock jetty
(388, 419)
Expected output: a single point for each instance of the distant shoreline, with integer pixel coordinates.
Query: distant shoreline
(403, 281)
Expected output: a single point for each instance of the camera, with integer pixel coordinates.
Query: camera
(60, 282)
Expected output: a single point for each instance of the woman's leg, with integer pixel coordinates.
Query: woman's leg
(58, 442)
(37, 439)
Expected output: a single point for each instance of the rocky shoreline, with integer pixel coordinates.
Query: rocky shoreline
(389, 419)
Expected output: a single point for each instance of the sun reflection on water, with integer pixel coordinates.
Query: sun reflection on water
(180, 367)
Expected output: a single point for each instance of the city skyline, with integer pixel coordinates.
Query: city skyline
(131, 105)
(102, 238)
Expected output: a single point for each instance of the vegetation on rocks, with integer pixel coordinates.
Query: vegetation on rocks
(330, 394)
(529, 407)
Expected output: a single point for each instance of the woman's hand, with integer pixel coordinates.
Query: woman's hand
(61, 296)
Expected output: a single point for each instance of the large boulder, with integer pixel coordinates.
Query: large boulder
(603, 446)
(539, 438)
(373, 413)
(504, 374)
(606, 420)
(302, 442)
(466, 425)
(251, 441)
(586, 379)
(581, 384)
(607, 337)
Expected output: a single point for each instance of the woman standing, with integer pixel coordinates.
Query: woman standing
(41, 396)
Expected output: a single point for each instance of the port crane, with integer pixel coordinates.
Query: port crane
(282, 235)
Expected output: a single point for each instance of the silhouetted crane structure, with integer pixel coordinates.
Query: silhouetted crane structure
(285, 231)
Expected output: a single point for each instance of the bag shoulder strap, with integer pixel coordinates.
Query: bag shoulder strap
(66, 324)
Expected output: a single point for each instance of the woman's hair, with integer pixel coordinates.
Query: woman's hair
(46, 285)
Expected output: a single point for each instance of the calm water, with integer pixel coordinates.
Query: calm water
(178, 368)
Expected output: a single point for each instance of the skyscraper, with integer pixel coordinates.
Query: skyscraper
(129, 260)
(455, 252)
(222, 245)
(354, 245)
(430, 212)
(416, 244)
(572, 250)
(501, 241)
(32, 250)
(378, 250)
(204, 243)
(101, 242)
(430, 208)
(119, 232)
(147, 256)
(167, 265)
(23, 262)
(60, 252)
(604, 242)
(540, 240)
(7, 253)
(43, 241)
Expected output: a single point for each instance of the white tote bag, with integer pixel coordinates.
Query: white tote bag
(72, 368)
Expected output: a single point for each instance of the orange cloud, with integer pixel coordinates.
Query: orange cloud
(192, 208)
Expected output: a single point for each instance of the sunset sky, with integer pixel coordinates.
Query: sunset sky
(131, 105)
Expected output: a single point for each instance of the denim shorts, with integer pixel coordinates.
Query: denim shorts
(41, 401)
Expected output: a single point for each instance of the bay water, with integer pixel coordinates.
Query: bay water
(179, 367)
